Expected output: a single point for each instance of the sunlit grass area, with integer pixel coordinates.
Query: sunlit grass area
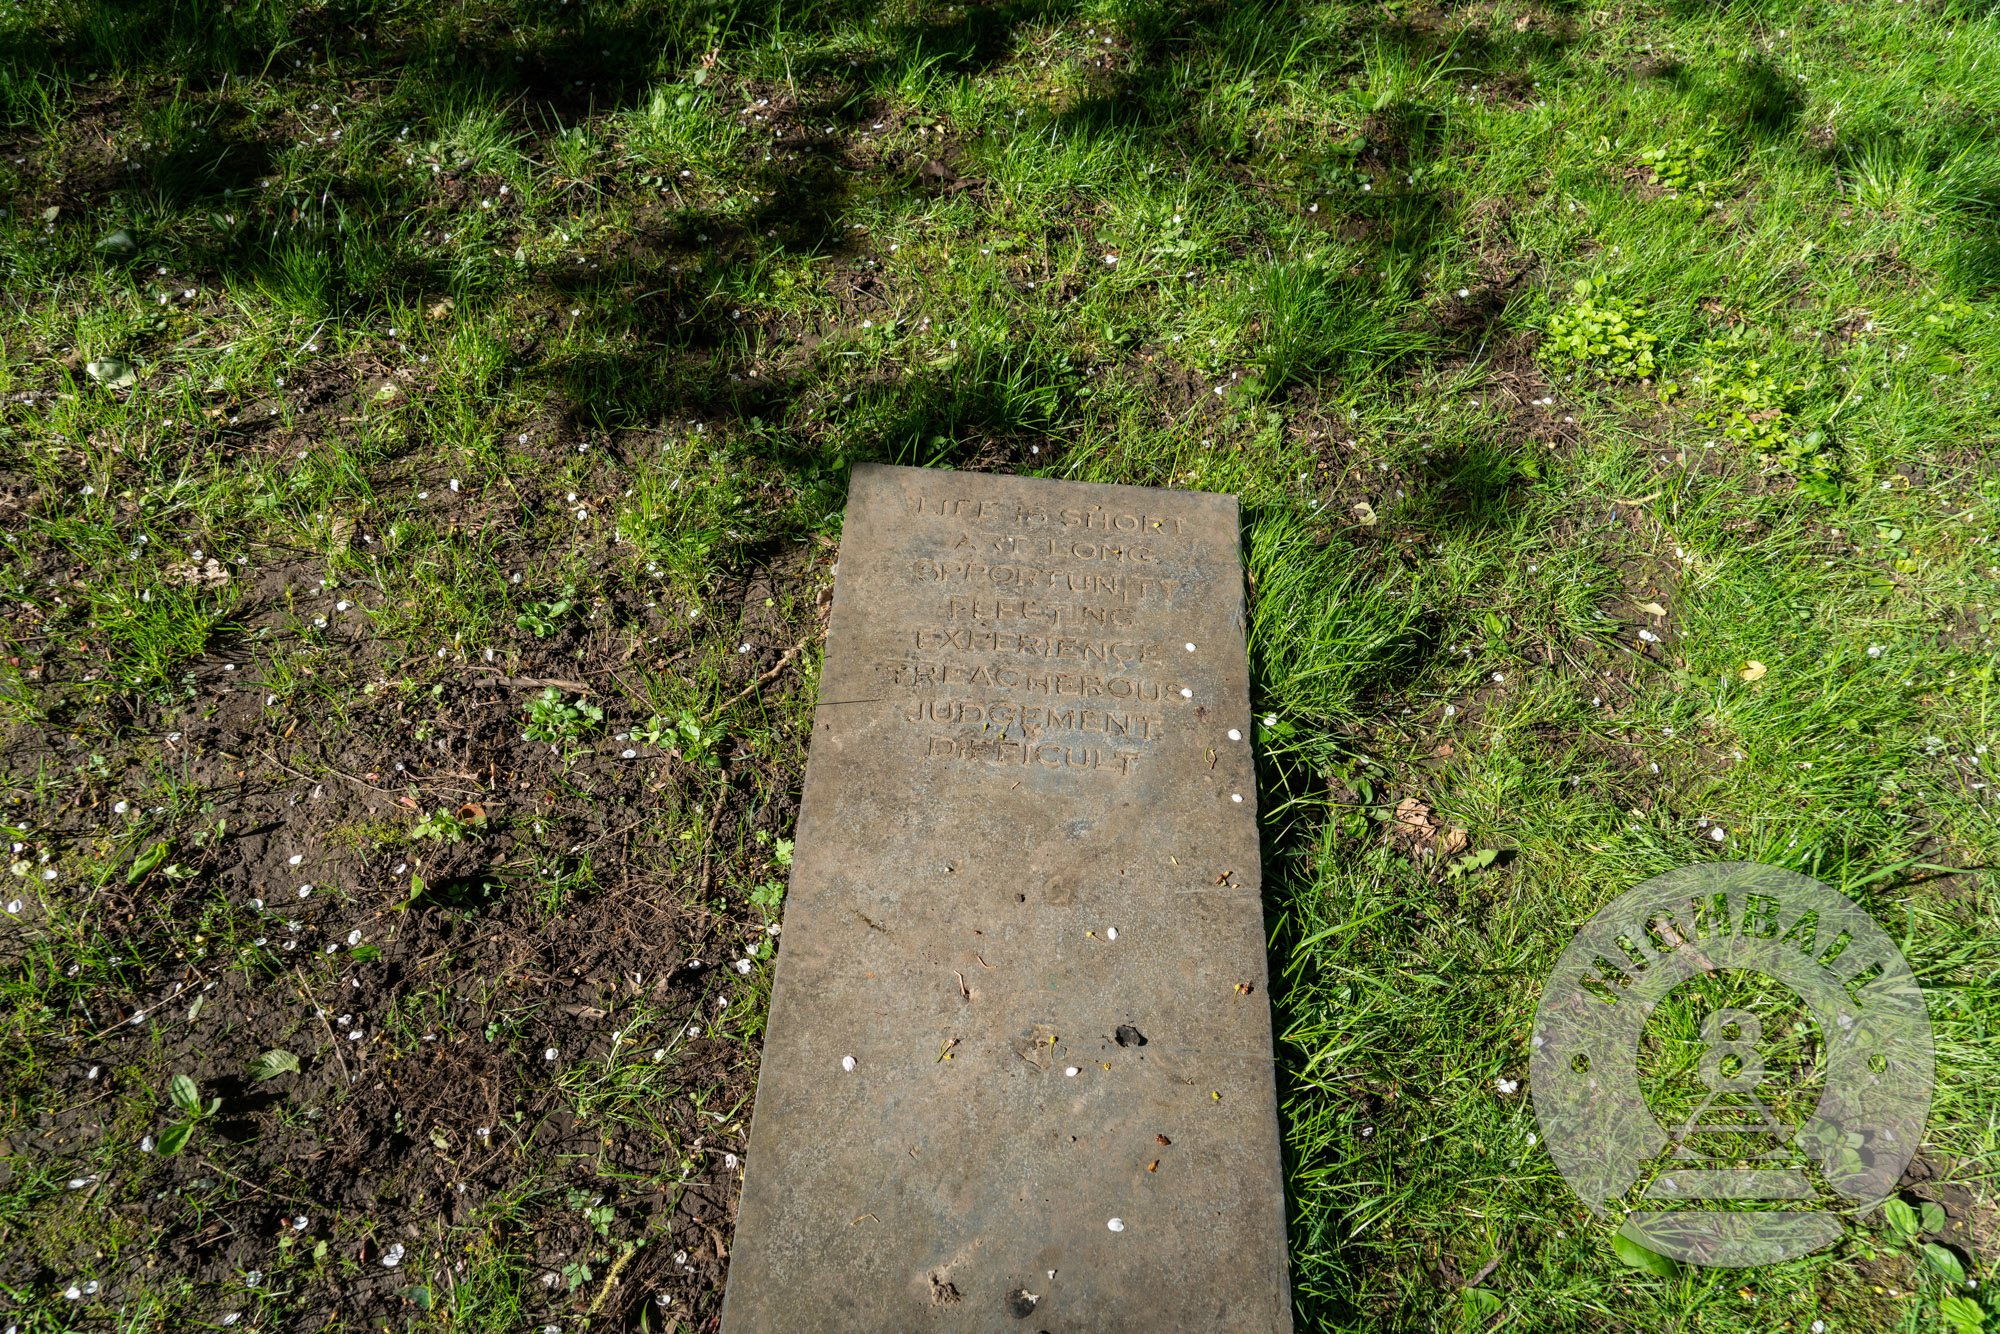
(423, 439)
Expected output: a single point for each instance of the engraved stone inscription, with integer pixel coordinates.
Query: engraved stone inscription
(1028, 836)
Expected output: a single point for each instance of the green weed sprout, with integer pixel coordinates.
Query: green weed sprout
(1906, 1225)
(545, 618)
(1599, 333)
(769, 896)
(697, 746)
(446, 827)
(1746, 405)
(186, 1098)
(1688, 166)
(558, 721)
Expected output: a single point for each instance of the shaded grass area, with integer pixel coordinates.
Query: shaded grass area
(423, 426)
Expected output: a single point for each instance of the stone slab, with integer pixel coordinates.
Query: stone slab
(1025, 902)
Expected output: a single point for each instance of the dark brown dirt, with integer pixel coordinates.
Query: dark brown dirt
(419, 984)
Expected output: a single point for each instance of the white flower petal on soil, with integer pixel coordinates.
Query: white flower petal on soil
(393, 1256)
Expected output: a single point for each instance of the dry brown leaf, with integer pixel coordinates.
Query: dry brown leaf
(1413, 818)
(1365, 512)
(210, 573)
(1453, 841)
(341, 530)
(440, 310)
(1753, 670)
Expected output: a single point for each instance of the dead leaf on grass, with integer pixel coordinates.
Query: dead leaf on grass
(1365, 512)
(112, 373)
(1652, 609)
(1753, 670)
(1419, 832)
(441, 309)
(210, 573)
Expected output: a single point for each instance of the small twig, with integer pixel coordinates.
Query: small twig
(611, 1279)
(755, 685)
(233, 1177)
(638, 701)
(707, 839)
(305, 777)
(617, 832)
(319, 1012)
(578, 686)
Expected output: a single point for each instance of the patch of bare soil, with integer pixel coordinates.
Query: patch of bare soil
(466, 1015)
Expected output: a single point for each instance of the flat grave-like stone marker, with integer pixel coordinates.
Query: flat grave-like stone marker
(1018, 1070)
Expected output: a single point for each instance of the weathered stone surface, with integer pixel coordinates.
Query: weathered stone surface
(1025, 903)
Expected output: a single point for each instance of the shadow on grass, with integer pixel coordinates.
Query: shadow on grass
(186, 79)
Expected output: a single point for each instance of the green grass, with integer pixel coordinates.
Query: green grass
(535, 341)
